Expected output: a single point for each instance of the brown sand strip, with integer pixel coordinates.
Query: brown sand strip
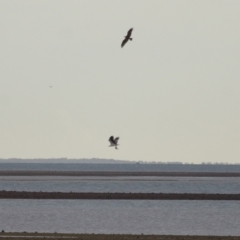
(115, 174)
(116, 196)
(57, 236)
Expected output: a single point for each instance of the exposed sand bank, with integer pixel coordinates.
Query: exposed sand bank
(116, 196)
(115, 174)
(55, 236)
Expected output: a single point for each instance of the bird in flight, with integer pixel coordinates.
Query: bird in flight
(128, 37)
(113, 142)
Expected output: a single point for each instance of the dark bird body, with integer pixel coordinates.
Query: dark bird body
(128, 37)
(113, 142)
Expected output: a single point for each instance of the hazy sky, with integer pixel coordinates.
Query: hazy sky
(172, 94)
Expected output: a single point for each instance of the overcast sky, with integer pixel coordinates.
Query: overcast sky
(171, 94)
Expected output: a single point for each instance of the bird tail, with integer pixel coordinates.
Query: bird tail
(130, 39)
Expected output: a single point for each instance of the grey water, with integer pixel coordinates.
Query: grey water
(121, 216)
(227, 185)
(159, 167)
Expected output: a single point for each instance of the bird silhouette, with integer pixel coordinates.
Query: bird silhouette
(113, 142)
(128, 37)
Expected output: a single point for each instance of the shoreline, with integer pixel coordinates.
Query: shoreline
(115, 196)
(55, 236)
(116, 174)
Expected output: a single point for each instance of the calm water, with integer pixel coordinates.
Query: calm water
(122, 184)
(122, 216)
(119, 167)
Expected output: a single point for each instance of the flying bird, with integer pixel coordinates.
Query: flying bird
(128, 37)
(113, 142)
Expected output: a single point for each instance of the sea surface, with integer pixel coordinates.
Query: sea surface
(120, 167)
(121, 184)
(121, 216)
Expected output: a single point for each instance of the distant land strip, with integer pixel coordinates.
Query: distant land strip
(69, 236)
(116, 174)
(116, 196)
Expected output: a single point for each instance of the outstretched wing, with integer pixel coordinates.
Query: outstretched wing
(129, 32)
(124, 42)
(111, 140)
(116, 140)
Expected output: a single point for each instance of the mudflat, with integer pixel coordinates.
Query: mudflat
(116, 196)
(117, 174)
(57, 236)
